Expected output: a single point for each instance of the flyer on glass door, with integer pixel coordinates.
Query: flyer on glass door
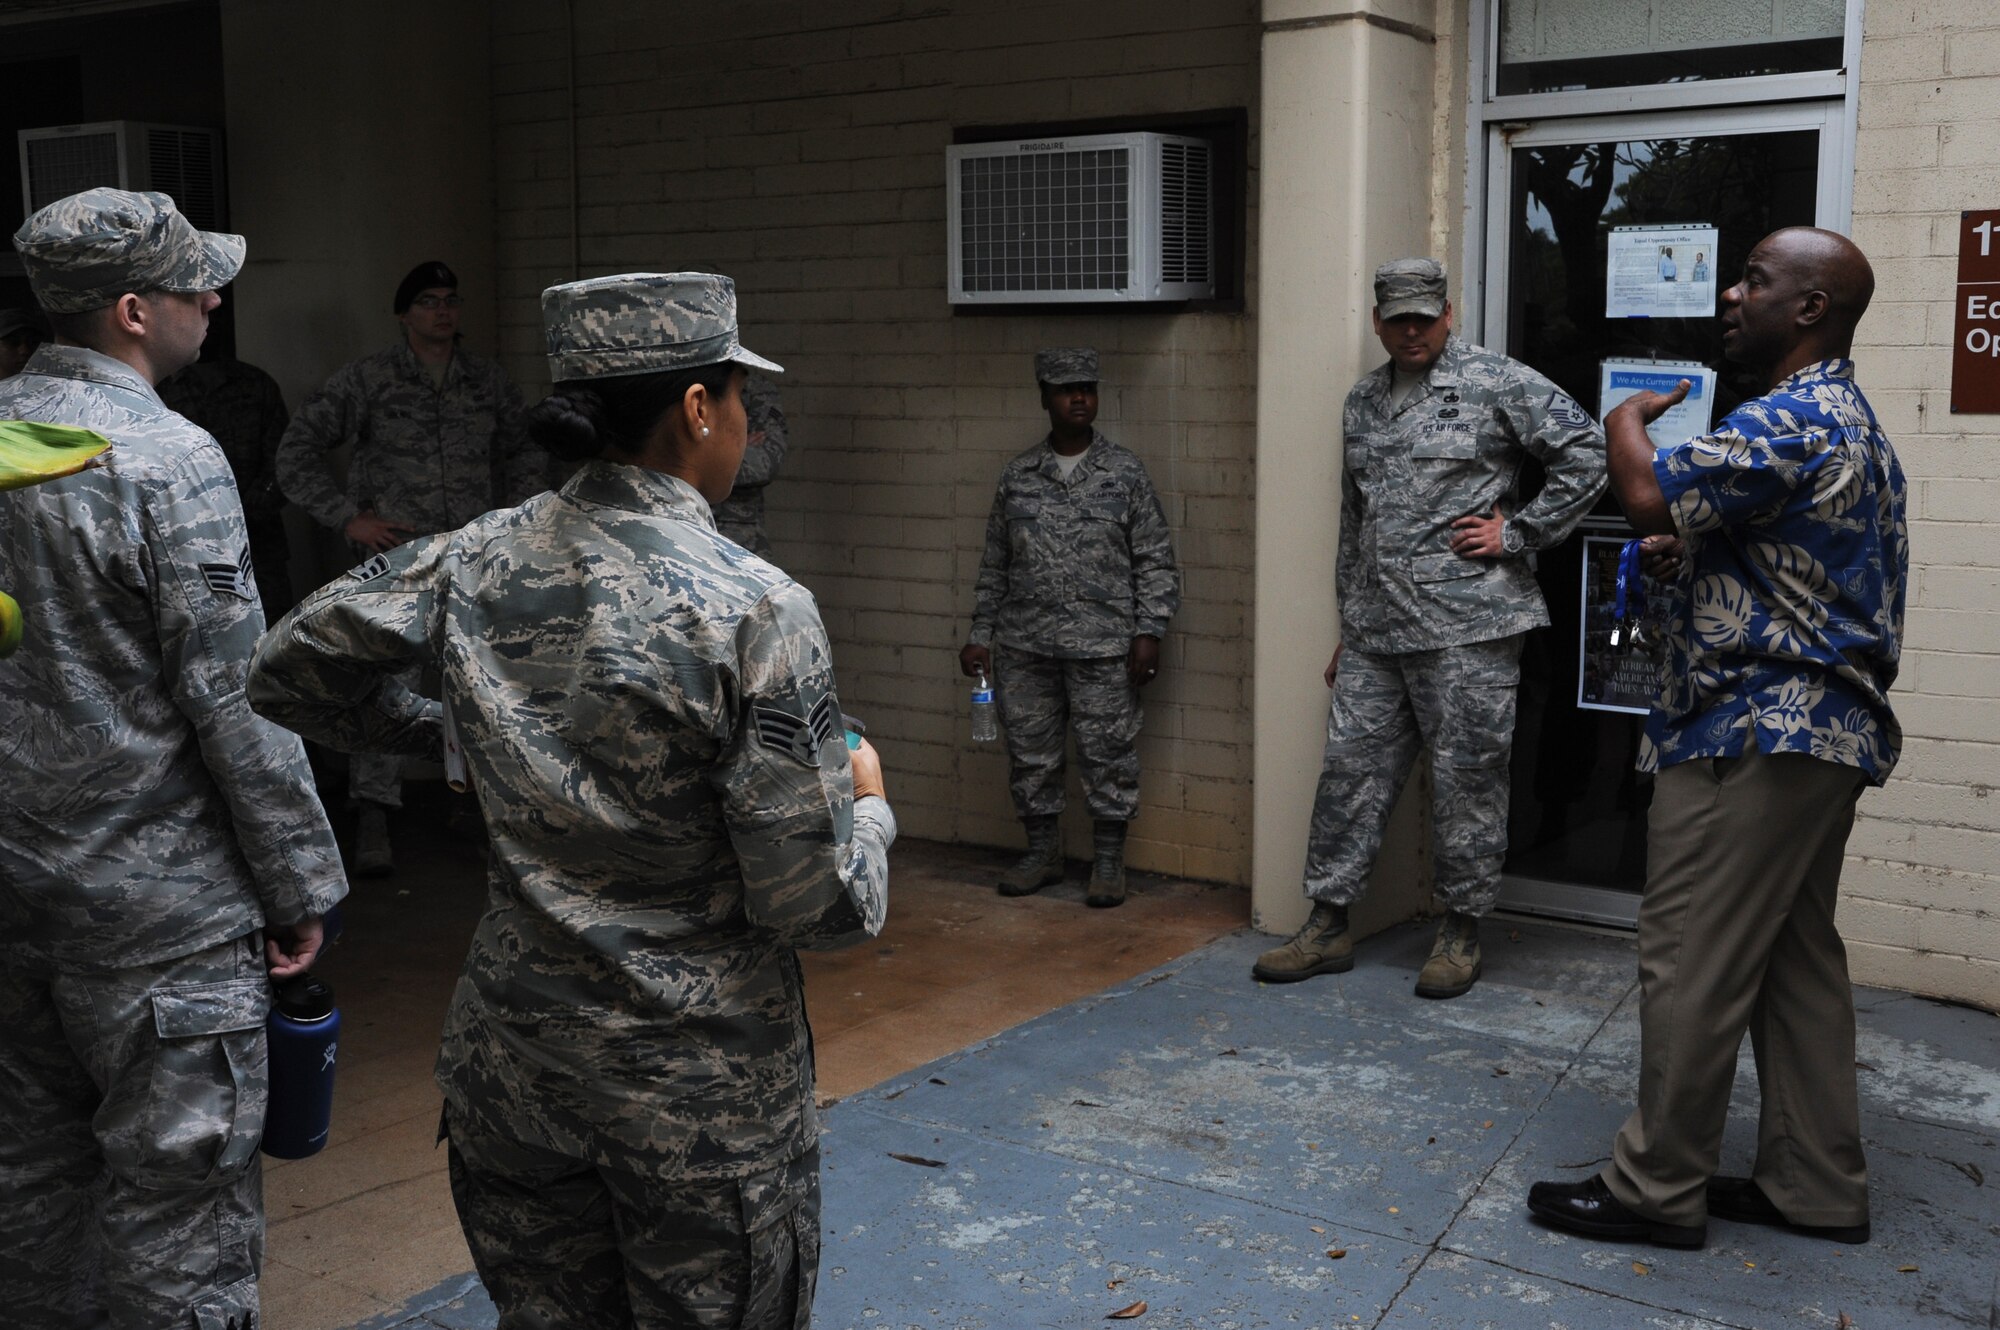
(1660, 272)
(1689, 419)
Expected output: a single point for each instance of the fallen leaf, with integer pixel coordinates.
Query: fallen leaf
(1045, 1126)
(1486, 1125)
(1749, 1265)
(1431, 1140)
(1641, 1268)
(1127, 1313)
(1113, 1283)
(1084, 1103)
(1843, 1323)
(1227, 1053)
(1311, 1146)
(918, 1160)
(939, 1080)
(1216, 1121)
(1970, 1170)
(1315, 1228)
(896, 1094)
(1906, 1269)
(1394, 1210)
(1499, 1071)
(1337, 1253)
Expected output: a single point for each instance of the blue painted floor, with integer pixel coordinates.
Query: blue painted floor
(1203, 1144)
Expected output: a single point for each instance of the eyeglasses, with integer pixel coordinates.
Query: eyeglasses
(438, 302)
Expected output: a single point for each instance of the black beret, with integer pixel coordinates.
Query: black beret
(423, 277)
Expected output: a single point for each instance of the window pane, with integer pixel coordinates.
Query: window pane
(1563, 45)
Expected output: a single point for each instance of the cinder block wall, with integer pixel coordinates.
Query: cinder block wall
(1922, 883)
(800, 149)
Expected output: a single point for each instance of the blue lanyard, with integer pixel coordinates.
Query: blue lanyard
(1630, 603)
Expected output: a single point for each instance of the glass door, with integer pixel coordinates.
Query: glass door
(1570, 199)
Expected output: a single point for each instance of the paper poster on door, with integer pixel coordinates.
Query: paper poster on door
(1616, 678)
(1620, 379)
(1660, 272)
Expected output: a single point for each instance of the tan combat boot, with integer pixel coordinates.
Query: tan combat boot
(1107, 866)
(1323, 946)
(1454, 964)
(1042, 865)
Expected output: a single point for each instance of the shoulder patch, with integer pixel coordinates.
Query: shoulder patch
(374, 568)
(230, 579)
(1563, 409)
(793, 728)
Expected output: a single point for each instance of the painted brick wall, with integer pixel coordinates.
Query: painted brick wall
(1922, 884)
(800, 149)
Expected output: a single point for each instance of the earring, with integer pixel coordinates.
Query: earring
(704, 431)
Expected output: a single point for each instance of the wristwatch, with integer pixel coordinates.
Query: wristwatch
(1510, 538)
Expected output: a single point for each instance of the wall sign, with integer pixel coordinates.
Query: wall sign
(1975, 347)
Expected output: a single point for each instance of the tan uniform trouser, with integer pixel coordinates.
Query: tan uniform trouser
(1736, 932)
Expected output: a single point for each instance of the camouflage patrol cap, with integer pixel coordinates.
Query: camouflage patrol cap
(1066, 364)
(642, 323)
(1409, 286)
(85, 251)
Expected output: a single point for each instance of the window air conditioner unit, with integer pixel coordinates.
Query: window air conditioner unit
(1081, 219)
(182, 162)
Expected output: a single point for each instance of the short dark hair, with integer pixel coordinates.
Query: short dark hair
(578, 421)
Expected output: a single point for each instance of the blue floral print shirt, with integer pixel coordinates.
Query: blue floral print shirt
(1787, 620)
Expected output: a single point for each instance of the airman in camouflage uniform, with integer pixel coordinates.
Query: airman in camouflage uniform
(741, 516)
(241, 407)
(437, 440)
(657, 750)
(1435, 594)
(1075, 588)
(150, 824)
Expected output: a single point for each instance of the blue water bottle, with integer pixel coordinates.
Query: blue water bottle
(304, 1035)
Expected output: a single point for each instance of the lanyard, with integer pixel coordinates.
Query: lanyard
(1629, 604)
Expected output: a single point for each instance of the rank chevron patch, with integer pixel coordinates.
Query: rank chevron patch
(230, 579)
(799, 735)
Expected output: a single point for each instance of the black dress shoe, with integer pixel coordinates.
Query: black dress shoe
(1588, 1207)
(1742, 1200)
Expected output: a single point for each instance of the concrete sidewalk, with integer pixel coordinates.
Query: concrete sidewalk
(1203, 1144)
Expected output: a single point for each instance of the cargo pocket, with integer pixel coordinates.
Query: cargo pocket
(781, 1226)
(205, 1101)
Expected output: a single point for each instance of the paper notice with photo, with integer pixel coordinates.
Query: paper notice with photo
(1660, 272)
(1620, 379)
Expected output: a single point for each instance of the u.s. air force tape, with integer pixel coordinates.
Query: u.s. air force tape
(794, 727)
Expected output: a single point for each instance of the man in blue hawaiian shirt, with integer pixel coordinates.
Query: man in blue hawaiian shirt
(1785, 630)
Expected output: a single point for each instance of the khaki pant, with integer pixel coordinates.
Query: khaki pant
(1736, 932)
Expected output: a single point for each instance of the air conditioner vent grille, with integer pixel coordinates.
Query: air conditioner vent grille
(60, 167)
(184, 167)
(1184, 222)
(1056, 221)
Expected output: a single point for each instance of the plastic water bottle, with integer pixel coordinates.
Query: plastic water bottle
(985, 724)
(304, 1032)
